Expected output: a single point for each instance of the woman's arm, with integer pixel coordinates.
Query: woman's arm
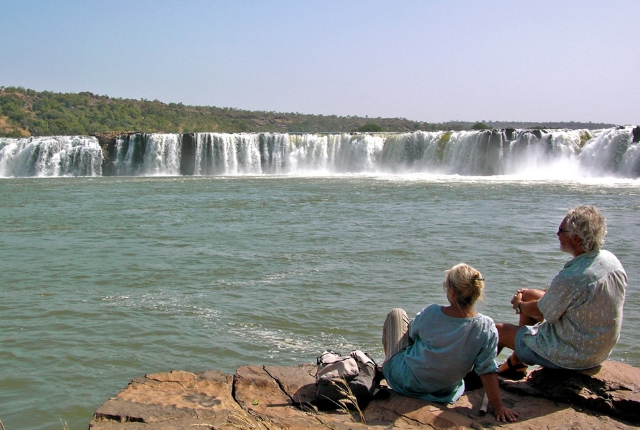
(492, 388)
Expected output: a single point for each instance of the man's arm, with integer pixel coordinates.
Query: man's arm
(525, 302)
(558, 298)
(529, 309)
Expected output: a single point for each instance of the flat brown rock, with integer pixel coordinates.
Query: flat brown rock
(174, 400)
(612, 388)
(278, 397)
(260, 394)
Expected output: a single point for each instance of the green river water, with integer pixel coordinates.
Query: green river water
(106, 279)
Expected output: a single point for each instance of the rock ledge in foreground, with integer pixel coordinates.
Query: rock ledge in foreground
(277, 397)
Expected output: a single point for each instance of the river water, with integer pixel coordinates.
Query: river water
(105, 279)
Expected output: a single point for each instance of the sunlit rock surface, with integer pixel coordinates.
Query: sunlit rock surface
(272, 397)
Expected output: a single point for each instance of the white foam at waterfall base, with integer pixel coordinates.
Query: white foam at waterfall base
(536, 164)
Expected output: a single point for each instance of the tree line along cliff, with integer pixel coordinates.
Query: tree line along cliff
(25, 112)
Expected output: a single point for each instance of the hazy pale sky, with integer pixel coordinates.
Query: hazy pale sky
(426, 60)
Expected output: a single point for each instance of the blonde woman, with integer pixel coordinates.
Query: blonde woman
(429, 356)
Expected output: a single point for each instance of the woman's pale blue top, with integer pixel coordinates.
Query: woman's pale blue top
(443, 350)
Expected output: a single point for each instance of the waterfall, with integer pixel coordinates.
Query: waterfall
(279, 153)
(539, 154)
(227, 154)
(50, 156)
(148, 154)
(612, 151)
(320, 154)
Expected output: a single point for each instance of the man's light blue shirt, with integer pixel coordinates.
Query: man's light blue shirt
(582, 312)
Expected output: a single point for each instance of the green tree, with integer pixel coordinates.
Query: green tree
(480, 126)
(369, 128)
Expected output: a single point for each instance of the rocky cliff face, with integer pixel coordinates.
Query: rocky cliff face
(272, 397)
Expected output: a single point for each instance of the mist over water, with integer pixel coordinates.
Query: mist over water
(105, 279)
(533, 154)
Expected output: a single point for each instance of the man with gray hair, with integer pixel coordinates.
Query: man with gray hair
(576, 322)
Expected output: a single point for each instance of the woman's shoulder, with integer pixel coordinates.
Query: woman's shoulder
(430, 309)
(485, 322)
(428, 313)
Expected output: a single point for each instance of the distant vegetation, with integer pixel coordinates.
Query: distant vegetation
(480, 126)
(369, 128)
(25, 112)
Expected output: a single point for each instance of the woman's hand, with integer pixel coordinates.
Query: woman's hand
(504, 415)
(492, 389)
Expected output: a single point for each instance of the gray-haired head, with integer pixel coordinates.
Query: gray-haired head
(588, 224)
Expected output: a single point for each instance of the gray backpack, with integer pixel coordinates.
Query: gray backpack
(345, 380)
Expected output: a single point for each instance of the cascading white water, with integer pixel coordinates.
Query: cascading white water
(308, 153)
(539, 154)
(50, 156)
(359, 153)
(551, 154)
(274, 150)
(533, 153)
(227, 154)
(610, 151)
(148, 154)
(163, 155)
(311, 153)
(276, 153)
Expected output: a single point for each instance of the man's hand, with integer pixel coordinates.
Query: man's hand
(516, 300)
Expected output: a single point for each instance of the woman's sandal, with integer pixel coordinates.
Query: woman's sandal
(514, 372)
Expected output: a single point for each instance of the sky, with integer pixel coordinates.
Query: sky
(424, 60)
